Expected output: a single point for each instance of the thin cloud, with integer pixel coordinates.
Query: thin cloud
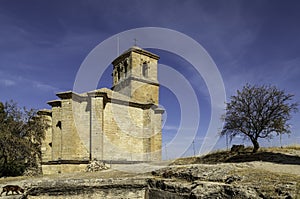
(43, 86)
(175, 128)
(20, 81)
(170, 128)
(7, 82)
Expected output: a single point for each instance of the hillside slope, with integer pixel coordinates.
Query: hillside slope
(268, 174)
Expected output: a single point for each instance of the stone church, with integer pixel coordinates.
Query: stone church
(118, 125)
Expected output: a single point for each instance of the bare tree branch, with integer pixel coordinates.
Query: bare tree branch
(258, 112)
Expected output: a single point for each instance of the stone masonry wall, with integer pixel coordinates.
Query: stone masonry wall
(123, 133)
(46, 148)
(138, 92)
(56, 133)
(97, 127)
(81, 123)
(72, 146)
(156, 136)
(137, 61)
(141, 91)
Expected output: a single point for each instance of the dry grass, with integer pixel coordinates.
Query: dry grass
(286, 149)
(67, 176)
(295, 147)
(269, 183)
(105, 174)
(13, 179)
(288, 155)
(285, 155)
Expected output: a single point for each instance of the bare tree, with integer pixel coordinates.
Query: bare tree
(258, 112)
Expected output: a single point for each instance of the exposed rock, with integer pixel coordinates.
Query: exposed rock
(237, 181)
(87, 188)
(237, 148)
(32, 172)
(95, 165)
(220, 181)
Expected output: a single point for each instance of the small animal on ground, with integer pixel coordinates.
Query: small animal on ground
(12, 188)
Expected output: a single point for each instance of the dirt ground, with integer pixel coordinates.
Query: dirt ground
(278, 161)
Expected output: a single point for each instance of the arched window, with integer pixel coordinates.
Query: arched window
(119, 73)
(58, 124)
(115, 76)
(126, 67)
(145, 69)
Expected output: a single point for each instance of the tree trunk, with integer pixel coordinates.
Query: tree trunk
(4, 169)
(255, 145)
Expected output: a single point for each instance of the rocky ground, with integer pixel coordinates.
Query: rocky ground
(267, 174)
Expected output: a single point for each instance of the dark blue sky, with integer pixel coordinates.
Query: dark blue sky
(43, 44)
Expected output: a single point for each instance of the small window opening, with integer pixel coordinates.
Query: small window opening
(125, 68)
(145, 69)
(58, 124)
(119, 73)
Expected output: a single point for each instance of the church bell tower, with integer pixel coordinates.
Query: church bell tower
(135, 75)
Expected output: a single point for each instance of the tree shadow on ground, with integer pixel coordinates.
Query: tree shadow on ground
(264, 156)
